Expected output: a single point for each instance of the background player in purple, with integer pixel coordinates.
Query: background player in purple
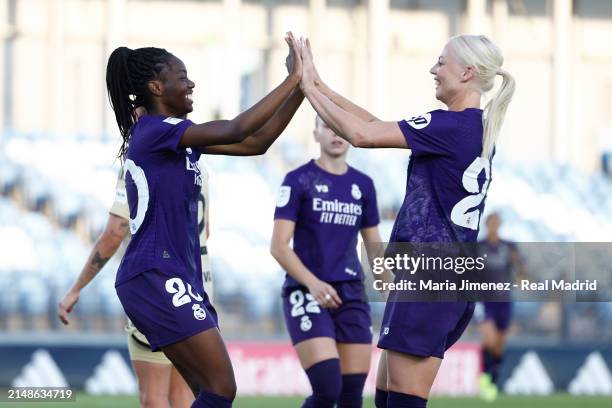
(323, 205)
(160, 276)
(448, 176)
(494, 318)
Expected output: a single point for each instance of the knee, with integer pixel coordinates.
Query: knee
(225, 388)
(326, 380)
(152, 400)
(181, 398)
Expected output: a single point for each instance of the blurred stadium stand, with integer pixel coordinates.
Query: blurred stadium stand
(55, 194)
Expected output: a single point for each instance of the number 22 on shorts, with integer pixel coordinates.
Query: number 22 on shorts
(296, 298)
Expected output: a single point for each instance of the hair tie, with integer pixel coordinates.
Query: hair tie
(499, 71)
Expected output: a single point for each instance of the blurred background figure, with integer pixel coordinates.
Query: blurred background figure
(494, 317)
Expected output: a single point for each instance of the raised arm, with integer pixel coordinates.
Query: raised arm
(222, 132)
(350, 126)
(105, 247)
(259, 142)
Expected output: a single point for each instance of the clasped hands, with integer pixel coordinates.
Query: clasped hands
(300, 63)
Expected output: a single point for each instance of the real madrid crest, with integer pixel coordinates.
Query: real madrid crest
(305, 324)
(355, 192)
(198, 312)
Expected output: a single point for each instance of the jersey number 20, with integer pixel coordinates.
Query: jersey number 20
(461, 214)
(176, 287)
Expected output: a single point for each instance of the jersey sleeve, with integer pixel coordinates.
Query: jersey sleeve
(370, 217)
(289, 199)
(167, 135)
(430, 134)
(120, 205)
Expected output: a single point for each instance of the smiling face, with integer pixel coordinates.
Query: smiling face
(174, 90)
(450, 75)
(331, 144)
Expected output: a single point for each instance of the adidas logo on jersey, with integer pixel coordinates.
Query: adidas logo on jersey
(111, 376)
(350, 271)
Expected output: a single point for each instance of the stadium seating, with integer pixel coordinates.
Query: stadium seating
(47, 183)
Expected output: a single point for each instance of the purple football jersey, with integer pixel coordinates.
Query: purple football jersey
(163, 182)
(447, 179)
(329, 210)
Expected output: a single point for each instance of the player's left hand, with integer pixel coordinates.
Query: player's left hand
(324, 294)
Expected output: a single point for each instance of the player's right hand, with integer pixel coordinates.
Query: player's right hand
(66, 305)
(310, 75)
(324, 294)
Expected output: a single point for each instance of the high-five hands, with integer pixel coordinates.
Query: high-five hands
(310, 76)
(293, 62)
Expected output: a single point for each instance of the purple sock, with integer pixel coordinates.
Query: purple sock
(399, 400)
(326, 381)
(380, 399)
(352, 391)
(487, 361)
(497, 361)
(208, 400)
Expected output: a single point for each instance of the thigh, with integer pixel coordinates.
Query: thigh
(354, 358)
(203, 359)
(410, 374)
(315, 350)
(140, 351)
(153, 380)
(304, 318)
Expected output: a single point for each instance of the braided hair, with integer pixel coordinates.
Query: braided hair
(127, 75)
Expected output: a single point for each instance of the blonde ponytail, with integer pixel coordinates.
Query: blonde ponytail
(495, 112)
(480, 52)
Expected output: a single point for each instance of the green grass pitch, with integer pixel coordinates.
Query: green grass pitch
(554, 401)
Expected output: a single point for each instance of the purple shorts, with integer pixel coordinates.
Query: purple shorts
(166, 308)
(499, 312)
(350, 323)
(423, 329)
